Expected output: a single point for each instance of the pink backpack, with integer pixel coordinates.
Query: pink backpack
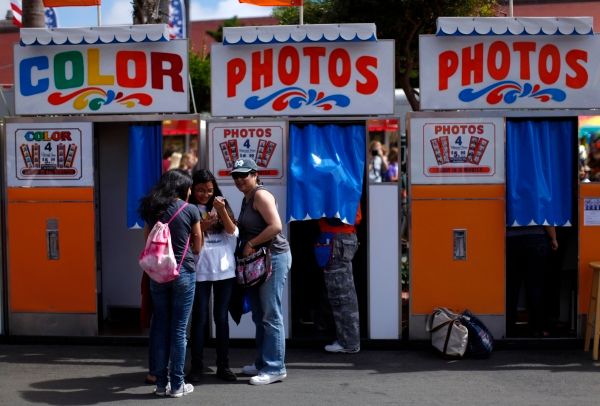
(157, 258)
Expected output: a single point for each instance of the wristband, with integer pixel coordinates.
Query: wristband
(250, 244)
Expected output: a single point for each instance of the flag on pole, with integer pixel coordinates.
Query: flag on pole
(177, 19)
(50, 17)
(275, 3)
(15, 6)
(69, 3)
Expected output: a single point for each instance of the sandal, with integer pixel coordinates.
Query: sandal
(150, 379)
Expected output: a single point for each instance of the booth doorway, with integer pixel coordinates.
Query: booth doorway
(311, 319)
(541, 275)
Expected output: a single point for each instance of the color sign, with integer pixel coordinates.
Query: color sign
(457, 150)
(145, 77)
(261, 141)
(509, 72)
(299, 79)
(49, 154)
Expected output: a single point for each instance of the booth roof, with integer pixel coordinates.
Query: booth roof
(274, 34)
(515, 26)
(95, 35)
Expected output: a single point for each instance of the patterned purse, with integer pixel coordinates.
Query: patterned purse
(254, 269)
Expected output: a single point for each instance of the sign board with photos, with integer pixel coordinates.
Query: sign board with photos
(455, 150)
(264, 142)
(49, 154)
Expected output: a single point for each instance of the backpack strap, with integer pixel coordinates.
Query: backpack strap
(187, 244)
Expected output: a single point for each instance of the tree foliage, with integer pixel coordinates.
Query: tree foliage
(400, 20)
(200, 76)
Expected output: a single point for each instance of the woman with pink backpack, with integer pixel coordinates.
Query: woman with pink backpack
(172, 301)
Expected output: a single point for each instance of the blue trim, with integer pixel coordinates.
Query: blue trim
(290, 40)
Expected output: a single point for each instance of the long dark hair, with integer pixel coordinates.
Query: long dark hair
(173, 185)
(205, 176)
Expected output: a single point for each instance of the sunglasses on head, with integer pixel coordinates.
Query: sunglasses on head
(240, 175)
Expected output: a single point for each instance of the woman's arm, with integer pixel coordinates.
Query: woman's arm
(264, 203)
(197, 238)
(552, 234)
(220, 207)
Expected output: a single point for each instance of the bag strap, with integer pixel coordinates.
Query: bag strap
(448, 333)
(187, 244)
(177, 212)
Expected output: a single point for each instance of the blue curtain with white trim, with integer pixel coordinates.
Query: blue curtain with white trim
(326, 170)
(539, 171)
(144, 167)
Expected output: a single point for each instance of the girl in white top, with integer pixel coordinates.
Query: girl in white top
(215, 271)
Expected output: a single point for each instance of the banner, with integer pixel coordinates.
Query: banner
(264, 142)
(454, 150)
(49, 154)
(297, 79)
(509, 72)
(71, 3)
(275, 3)
(102, 78)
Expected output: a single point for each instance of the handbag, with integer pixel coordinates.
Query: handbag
(254, 269)
(481, 340)
(448, 335)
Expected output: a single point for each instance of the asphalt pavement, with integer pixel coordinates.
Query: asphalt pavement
(74, 374)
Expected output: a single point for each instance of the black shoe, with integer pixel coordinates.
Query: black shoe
(194, 376)
(226, 374)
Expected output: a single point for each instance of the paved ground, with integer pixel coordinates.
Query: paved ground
(49, 374)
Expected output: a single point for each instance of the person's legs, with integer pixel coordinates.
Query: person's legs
(181, 305)
(341, 291)
(222, 296)
(199, 321)
(272, 349)
(160, 337)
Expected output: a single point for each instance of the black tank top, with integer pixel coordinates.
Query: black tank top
(251, 224)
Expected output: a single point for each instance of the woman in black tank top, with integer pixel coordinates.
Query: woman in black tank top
(260, 225)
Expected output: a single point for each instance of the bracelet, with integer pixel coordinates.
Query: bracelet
(250, 244)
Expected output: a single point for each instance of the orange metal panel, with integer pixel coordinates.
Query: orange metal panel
(589, 243)
(458, 191)
(51, 194)
(38, 284)
(477, 283)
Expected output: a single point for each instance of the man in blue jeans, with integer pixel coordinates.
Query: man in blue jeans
(339, 282)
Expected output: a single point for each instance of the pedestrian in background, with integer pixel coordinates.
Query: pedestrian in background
(172, 301)
(260, 225)
(215, 272)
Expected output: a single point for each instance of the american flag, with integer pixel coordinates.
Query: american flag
(176, 19)
(49, 15)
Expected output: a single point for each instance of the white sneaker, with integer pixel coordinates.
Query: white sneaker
(162, 391)
(265, 379)
(182, 391)
(336, 347)
(250, 370)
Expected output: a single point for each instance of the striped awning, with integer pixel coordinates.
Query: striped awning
(448, 26)
(274, 34)
(95, 35)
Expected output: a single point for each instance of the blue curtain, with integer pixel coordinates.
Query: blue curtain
(144, 167)
(539, 171)
(326, 169)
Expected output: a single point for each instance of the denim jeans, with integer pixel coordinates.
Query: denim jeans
(171, 305)
(222, 296)
(267, 314)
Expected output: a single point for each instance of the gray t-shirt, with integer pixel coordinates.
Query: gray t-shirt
(181, 229)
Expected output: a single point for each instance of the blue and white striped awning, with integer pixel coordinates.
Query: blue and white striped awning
(448, 26)
(274, 34)
(95, 35)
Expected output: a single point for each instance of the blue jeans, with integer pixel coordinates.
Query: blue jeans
(222, 296)
(267, 315)
(171, 305)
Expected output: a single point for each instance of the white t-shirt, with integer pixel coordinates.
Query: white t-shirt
(217, 260)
